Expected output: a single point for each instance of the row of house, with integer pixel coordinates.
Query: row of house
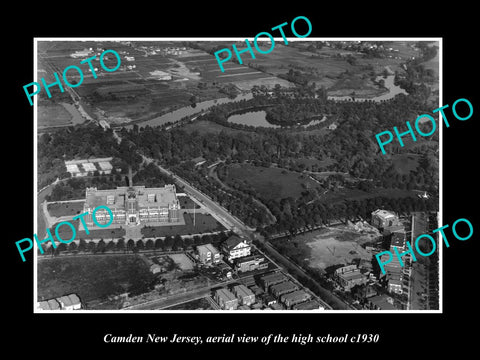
(66, 302)
(389, 223)
(349, 276)
(240, 296)
(287, 292)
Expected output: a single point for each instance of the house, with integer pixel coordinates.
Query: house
(383, 218)
(208, 254)
(198, 161)
(349, 276)
(70, 302)
(380, 302)
(245, 295)
(295, 297)
(398, 240)
(235, 247)
(225, 299)
(283, 288)
(308, 305)
(51, 304)
(155, 268)
(250, 263)
(272, 279)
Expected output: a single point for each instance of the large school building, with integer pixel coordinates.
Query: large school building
(133, 205)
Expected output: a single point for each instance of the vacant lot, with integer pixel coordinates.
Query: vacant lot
(269, 183)
(198, 304)
(182, 260)
(92, 277)
(65, 209)
(337, 245)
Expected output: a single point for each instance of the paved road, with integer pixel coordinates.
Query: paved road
(219, 210)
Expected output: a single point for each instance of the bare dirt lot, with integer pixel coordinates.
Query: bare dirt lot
(337, 245)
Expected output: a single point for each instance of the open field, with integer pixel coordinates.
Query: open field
(355, 194)
(53, 115)
(203, 223)
(198, 304)
(271, 183)
(161, 80)
(336, 245)
(208, 127)
(92, 277)
(65, 208)
(405, 163)
(183, 262)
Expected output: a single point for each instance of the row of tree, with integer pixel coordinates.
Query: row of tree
(173, 243)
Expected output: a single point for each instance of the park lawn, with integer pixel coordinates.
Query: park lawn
(208, 127)
(355, 194)
(92, 277)
(405, 163)
(203, 223)
(269, 182)
(95, 232)
(65, 209)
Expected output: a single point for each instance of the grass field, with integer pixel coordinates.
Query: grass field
(271, 183)
(51, 115)
(209, 127)
(187, 203)
(405, 163)
(203, 223)
(91, 277)
(65, 209)
(198, 304)
(355, 194)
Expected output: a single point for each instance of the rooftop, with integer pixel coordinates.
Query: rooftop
(242, 290)
(287, 285)
(296, 295)
(232, 242)
(384, 213)
(160, 197)
(225, 294)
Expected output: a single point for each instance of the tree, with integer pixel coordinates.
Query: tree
(101, 246)
(72, 246)
(82, 245)
(149, 245)
(168, 242)
(91, 247)
(130, 245)
(177, 243)
(110, 246)
(140, 246)
(159, 244)
(120, 244)
(187, 242)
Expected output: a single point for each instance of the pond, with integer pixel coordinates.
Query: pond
(258, 119)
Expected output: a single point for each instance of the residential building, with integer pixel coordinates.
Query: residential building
(225, 299)
(208, 254)
(250, 263)
(283, 288)
(269, 299)
(295, 297)
(272, 279)
(66, 302)
(380, 302)
(308, 305)
(349, 276)
(245, 295)
(398, 240)
(235, 247)
(383, 218)
(155, 268)
(70, 302)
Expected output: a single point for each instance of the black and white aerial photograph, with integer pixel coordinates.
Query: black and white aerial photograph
(214, 179)
(177, 175)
